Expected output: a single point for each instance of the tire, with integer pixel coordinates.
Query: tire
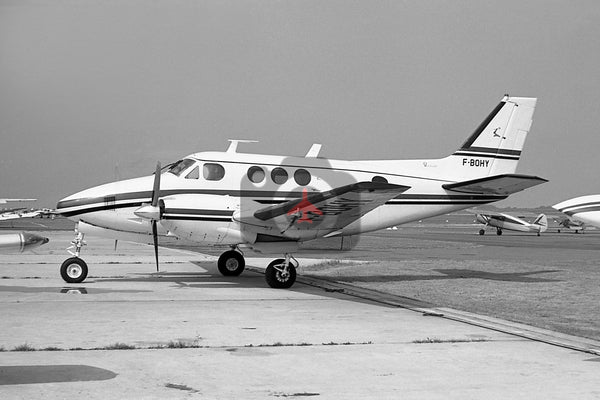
(274, 277)
(231, 263)
(482, 232)
(74, 270)
(499, 232)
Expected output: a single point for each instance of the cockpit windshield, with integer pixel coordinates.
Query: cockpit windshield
(180, 166)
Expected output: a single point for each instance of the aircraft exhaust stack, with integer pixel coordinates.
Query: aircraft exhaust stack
(19, 242)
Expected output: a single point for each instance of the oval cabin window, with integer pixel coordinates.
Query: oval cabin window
(279, 176)
(256, 174)
(302, 177)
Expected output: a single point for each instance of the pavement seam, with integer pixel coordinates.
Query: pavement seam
(584, 345)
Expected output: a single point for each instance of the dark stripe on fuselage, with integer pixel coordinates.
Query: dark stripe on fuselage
(192, 211)
(97, 208)
(147, 196)
(403, 199)
(591, 207)
(477, 155)
(187, 218)
(506, 152)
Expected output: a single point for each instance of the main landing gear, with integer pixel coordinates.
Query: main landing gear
(74, 269)
(280, 274)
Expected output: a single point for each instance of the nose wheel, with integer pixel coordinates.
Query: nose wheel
(74, 269)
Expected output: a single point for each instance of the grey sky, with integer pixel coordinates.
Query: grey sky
(87, 85)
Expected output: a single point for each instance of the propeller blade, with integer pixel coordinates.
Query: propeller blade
(155, 237)
(155, 195)
(156, 188)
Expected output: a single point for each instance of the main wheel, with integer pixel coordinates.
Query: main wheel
(231, 263)
(278, 279)
(74, 270)
(482, 231)
(499, 232)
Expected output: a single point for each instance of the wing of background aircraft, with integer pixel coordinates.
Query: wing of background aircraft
(4, 201)
(326, 211)
(497, 185)
(19, 213)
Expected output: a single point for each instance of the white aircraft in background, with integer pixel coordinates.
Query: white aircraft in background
(19, 213)
(271, 204)
(502, 221)
(584, 210)
(4, 201)
(12, 213)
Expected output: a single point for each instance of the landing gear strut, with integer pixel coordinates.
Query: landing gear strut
(74, 269)
(281, 273)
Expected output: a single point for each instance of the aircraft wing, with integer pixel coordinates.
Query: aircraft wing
(496, 185)
(327, 211)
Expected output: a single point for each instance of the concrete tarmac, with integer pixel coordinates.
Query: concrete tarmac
(188, 332)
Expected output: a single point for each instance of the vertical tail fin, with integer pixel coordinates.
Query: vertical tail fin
(542, 222)
(495, 146)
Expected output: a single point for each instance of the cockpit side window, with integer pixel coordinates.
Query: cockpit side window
(213, 172)
(181, 166)
(194, 174)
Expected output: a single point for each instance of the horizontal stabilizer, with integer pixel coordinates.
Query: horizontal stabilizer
(496, 185)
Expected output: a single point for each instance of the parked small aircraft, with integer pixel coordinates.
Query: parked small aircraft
(584, 210)
(570, 223)
(502, 221)
(271, 204)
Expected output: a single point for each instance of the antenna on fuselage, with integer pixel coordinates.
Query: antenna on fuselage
(234, 144)
(314, 150)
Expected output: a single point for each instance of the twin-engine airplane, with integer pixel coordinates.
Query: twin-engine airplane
(584, 210)
(502, 221)
(270, 203)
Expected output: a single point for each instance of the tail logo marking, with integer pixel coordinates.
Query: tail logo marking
(497, 135)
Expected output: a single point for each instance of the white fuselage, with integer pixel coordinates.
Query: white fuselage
(585, 209)
(200, 208)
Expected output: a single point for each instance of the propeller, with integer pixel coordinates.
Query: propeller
(153, 211)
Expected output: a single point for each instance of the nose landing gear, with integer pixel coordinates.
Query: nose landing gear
(74, 269)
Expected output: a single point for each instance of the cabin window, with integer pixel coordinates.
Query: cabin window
(194, 174)
(213, 172)
(180, 166)
(279, 176)
(256, 174)
(379, 179)
(302, 177)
